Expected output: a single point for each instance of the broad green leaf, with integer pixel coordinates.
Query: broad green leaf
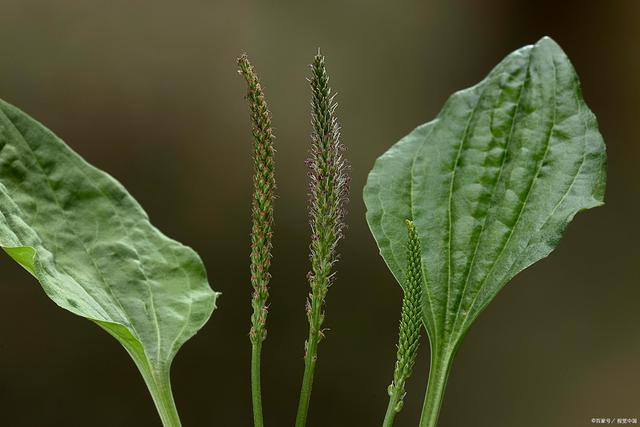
(95, 253)
(490, 184)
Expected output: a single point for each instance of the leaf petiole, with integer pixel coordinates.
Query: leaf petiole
(156, 378)
(436, 384)
(159, 385)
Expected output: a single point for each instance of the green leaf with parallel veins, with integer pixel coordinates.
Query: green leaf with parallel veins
(490, 184)
(95, 253)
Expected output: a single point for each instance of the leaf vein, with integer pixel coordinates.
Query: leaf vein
(496, 185)
(522, 207)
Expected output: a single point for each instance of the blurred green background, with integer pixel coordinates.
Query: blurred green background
(148, 91)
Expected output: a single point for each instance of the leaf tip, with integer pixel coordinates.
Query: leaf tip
(547, 43)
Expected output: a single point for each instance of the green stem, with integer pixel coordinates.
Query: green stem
(438, 375)
(392, 408)
(310, 358)
(256, 395)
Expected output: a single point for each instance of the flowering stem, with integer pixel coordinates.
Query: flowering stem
(329, 184)
(256, 395)
(390, 415)
(309, 369)
(262, 221)
(410, 326)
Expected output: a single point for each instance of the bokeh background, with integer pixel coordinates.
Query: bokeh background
(148, 91)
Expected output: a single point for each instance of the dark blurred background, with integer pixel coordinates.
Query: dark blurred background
(148, 91)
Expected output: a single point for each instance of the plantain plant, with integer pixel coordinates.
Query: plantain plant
(491, 185)
(458, 207)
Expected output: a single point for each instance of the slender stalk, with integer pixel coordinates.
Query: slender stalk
(256, 395)
(410, 326)
(392, 409)
(438, 375)
(307, 379)
(329, 186)
(262, 221)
